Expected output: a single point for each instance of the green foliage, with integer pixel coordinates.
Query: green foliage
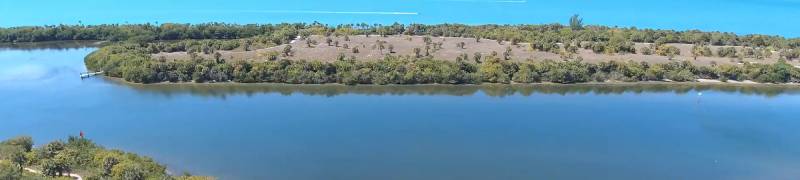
(757, 53)
(58, 158)
(542, 36)
(619, 44)
(287, 50)
(616, 45)
(140, 33)
(25, 142)
(544, 45)
(270, 55)
(780, 72)
(667, 50)
(495, 71)
(55, 167)
(132, 60)
(133, 63)
(727, 52)
(131, 171)
(108, 165)
(576, 22)
(477, 57)
(566, 71)
(209, 46)
(14, 155)
(647, 50)
(701, 50)
(527, 73)
(507, 53)
(283, 33)
(618, 71)
(50, 150)
(9, 171)
(682, 75)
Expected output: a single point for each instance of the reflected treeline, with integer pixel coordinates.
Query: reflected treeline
(50, 45)
(494, 90)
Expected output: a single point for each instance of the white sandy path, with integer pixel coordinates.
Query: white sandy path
(76, 176)
(729, 81)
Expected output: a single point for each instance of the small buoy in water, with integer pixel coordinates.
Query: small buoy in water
(699, 94)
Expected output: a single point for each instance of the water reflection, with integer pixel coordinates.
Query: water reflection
(51, 45)
(411, 132)
(494, 90)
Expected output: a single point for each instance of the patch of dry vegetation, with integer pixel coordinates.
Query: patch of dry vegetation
(371, 48)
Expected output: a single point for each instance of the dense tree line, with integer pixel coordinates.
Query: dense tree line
(565, 34)
(209, 46)
(133, 63)
(599, 39)
(576, 32)
(145, 32)
(57, 158)
(555, 38)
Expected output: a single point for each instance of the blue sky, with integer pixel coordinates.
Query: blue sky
(776, 17)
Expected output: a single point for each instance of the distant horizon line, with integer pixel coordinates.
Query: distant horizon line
(495, 1)
(310, 12)
(404, 23)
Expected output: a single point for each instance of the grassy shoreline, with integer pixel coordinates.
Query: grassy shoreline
(315, 53)
(612, 83)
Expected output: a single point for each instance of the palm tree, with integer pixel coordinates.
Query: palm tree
(576, 22)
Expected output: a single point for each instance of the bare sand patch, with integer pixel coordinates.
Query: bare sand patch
(404, 45)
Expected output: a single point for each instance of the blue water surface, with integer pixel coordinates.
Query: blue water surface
(409, 132)
(774, 17)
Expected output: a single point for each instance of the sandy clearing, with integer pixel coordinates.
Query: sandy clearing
(403, 46)
(76, 176)
(728, 81)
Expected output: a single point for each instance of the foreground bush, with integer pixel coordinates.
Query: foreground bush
(57, 158)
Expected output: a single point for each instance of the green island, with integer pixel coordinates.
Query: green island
(77, 158)
(315, 53)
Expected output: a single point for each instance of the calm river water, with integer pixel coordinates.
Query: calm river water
(409, 132)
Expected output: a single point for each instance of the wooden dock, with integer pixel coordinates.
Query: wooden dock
(90, 74)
